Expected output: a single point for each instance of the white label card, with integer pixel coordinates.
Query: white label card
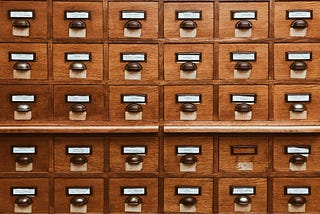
(297, 150)
(79, 190)
(188, 57)
(293, 56)
(24, 150)
(22, 56)
(79, 150)
(134, 150)
(183, 15)
(188, 190)
(244, 14)
(133, 15)
(188, 150)
(243, 190)
(134, 98)
(21, 14)
(23, 98)
(77, 14)
(243, 56)
(133, 57)
(78, 98)
(299, 14)
(78, 57)
(188, 98)
(297, 190)
(243, 98)
(298, 97)
(24, 191)
(134, 190)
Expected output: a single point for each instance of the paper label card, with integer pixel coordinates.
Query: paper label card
(298, 56)
(79, 150)
(79, 191)
(133, 190)
(29, 191)
(14, 56)
(133, 57)
(182, 150)
(24, 150)
(134, 150)
(188, 190)
(133, 14)
(188, 98)
(243, 98)
(288, 190)
(21, 14)
(304, 150)
(23, 98)
(78, 57)
(188, 14)
(299, 14)
(188, 57)
(242, 190)
(298, 97)
(243, 14)
(77, 14)
(78, 98)
(133, 98)
(243, 56)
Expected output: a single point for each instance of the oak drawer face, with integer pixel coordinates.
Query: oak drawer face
(295, 195)
(24, 154)
(23, 103)
(243, 154)
(133, 103)
(133, 195)
(27, 20)
(243, 20)
(79, 154)
(296, 102)
(133, 154)
(243, 102)
(188, 61)
(243, 195)
(243, 61)
(133, 62)
(76, 62)
(79, 103)
(77, 20)
(296, 61)
(133, 20)
(296, 153)
(188, 195)
(23, 61)
(24, 195)
(188, 20)
(188, 154)
(296, 19)
(79, 195)
(188, 102)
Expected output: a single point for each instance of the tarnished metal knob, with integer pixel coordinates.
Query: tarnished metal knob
(243, 107)
(133, 67)
(188, 159)
(242, 200)
(79, 201)
(299, 66)
(188, 107)
(133, 200)
(133, 25)
(188, 66)
(134, 159)
(134, 108)
(24, 108)
(77, 24)
(78, 108)
(297, 201)
(299, 24)
(188, 25)
(243, 25)
(23, 201)
(188, 201)
(297, 107)
(298, 159)
(21, 23)
(78, 159)
(78, 66)
(22, 66)
(24, 159)
(243, 66)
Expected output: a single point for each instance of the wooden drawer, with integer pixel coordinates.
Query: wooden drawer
(243, 153)
(79, 154)
(296, 153)
(134, 154)
(78, 62)
(79, 102)
(243, 195)
(133, 62)
(188, 153)
(23, 20)
(23, 61)
(78, 20)
(133, 195)
(24, 103)
(188, 102)
(296, 61)
(133, 20)
(79, 195)
(133, 103)
(291, 18)
(243, 61)
(188, 20)
(243, 102)
(24, 195)
(188, 195)
(296, 102)
(295, 195)
(243, 20)
(188, 61)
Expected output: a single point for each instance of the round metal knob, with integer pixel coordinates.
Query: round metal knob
(78, 201)
(297, 201)
(134, 159)
(188, 66)
(23, 201)
(242, 200)
(21, 23)
(78, 108)
(243, 107)
(299, 24)
(24, 159)
(134, 108)
(77, 24)
(298, 159)
(133, 200)
(243, 25)
(24, 108)
(297, 107)
(188, 107)
(299, 66)
(78, 159)
(133, 67)
(188, 159)
(22, 66)
(188, 25)
(188, 201)
(78, 66)
(243, 66)
(133, 25)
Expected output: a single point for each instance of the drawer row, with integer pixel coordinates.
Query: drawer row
(142, 154)
(143, 103)
(119, 195)
(141, 20)
(140, 62)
